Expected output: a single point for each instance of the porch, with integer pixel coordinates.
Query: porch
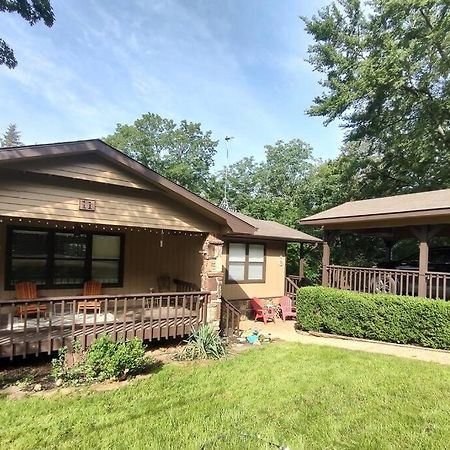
(60, 321)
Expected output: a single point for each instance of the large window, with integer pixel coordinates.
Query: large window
(246, 262)
(55, 259)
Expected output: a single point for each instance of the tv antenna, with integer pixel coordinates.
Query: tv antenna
(224, 204)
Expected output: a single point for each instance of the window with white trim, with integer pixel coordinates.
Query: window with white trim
(246, 262)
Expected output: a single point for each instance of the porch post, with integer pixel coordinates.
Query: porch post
(212, 275)
(325, 257)
(301, 263)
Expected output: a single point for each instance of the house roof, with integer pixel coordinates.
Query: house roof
(269, 229)
(419, 207)
(237, 223)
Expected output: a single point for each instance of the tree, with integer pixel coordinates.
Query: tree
(386, 66)
(181, 152)
(11, 137)
(32, 11)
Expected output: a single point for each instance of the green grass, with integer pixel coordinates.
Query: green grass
(306, 397)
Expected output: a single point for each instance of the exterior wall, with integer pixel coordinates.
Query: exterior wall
(144, 260)
(273, 287)
(50, 198)
(85, 167)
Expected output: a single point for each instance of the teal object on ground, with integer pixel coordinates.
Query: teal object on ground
(252, 339)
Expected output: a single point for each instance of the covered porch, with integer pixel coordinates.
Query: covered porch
(423, 219)
(155, 283)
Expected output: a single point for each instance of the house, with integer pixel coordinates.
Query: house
(423, 217)
(167, 259)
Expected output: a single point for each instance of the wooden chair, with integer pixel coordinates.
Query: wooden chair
(286, 308)
(262, 312)
(90, 288)
(27, 290)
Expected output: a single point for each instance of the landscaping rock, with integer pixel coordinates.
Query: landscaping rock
(59, 382)
(37, 387)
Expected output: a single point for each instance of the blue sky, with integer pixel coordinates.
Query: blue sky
(235, 66)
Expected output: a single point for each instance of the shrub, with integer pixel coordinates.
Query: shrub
(204, 343)
(384, 317)
(103, 360)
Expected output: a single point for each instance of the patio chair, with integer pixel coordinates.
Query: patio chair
(262, 312)
(286, 308)
(90, 288)
(27, 290)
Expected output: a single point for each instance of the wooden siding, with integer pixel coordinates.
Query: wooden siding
(145, 260)
(85, 167)
(47, 198)
(273, 287)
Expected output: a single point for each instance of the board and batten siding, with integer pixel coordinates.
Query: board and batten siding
(144, 261)
(50, 198)
(272, 287)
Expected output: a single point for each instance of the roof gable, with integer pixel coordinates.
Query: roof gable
(36, 153)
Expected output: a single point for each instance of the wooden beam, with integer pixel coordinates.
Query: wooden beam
(326, 257)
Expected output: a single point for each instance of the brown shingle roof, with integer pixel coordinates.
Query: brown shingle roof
(398, 206)
(273, 230)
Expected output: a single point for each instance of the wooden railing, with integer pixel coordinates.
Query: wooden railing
(230, 318)
(291, 285)
(438, 285)
(374, 280)
(47, 324)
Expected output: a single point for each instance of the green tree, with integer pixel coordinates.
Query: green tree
(386, 66)
(11, 137)
(181, 152)
(32, 11)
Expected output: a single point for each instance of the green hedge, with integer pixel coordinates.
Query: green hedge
(383, 317)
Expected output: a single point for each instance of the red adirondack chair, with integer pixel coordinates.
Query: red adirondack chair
(286, 308)
(262, 312)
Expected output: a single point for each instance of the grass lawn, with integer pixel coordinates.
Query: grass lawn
(306, 397)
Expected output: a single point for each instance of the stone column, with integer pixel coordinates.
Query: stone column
(212, 276)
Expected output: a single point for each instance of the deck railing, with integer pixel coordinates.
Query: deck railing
(47, 324)
(230, 318)
(438, 285)
(291, 285)
(392, 281)
(373, 280)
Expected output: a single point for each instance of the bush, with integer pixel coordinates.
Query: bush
(103, 360)
(204, 343)
(384, 317)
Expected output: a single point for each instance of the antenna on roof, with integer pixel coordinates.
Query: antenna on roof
(224, 204)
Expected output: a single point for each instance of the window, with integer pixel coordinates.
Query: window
(56, 259)
(246, 262)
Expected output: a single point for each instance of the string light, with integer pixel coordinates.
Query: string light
(112, 228)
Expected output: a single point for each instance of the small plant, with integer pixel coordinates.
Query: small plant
(204, 343)
(107, 360)
(103, 360)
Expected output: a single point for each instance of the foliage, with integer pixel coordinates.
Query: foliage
(384, 317)
(103, 360)
(11, 137)
(181, 152)
(204, 343)
(305, 396)
(386, 78)
(113, 360)
(32, 11)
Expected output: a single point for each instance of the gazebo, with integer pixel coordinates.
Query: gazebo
(421, 216)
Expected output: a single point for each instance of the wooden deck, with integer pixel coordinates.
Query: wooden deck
(123, 317)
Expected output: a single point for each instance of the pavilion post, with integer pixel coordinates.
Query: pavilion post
(422, 234)
(301, 262)
(325, 257)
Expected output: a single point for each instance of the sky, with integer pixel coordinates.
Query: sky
(236, 66)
